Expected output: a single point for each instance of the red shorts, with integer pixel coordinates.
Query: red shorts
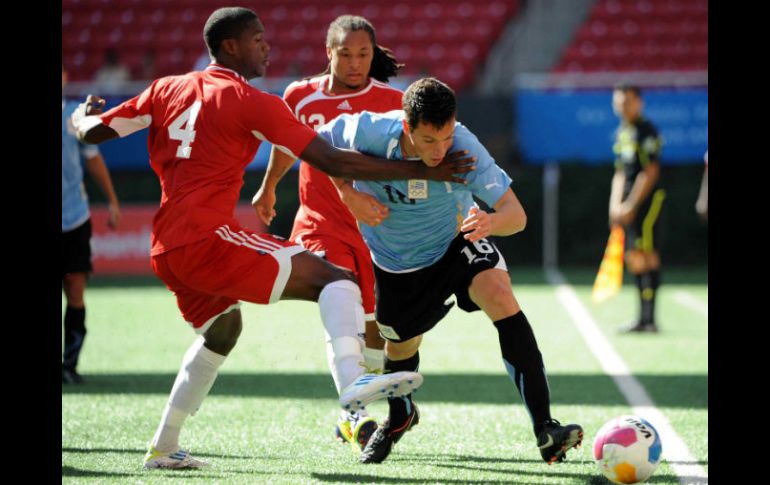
(352, 257)
(210, 276)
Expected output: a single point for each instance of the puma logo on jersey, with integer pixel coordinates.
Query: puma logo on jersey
(344, 105)
(493, 184)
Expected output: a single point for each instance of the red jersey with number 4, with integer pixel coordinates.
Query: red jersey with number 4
(321, 209)
(205, 128)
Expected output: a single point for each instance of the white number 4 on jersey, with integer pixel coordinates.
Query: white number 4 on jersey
(187, 134)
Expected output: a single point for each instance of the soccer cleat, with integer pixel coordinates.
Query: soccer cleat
(639, 327)
(70, 376)
(178, 459)
(554, 440)
(381, 443)
(356, 430)
(370, 387)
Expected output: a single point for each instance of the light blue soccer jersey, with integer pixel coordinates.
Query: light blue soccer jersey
(424, 215)
(74, 201)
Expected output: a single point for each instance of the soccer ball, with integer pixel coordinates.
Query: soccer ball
(627, 449)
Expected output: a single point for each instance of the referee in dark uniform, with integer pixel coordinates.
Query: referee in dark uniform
(636, 200)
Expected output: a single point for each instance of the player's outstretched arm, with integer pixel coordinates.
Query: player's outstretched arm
(88, 125)
(348, 164)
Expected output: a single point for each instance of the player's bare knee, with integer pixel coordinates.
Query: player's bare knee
(339, 273)
(491, 291)
(223, 334)
(636, 262)
(74, 287)
(653, 261)
(402, 350)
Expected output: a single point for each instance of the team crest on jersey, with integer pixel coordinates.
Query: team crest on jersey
(345, 105)
(417, 189)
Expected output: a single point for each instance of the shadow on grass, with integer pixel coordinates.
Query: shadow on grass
(416, 457)
(560, 470)
(141, 452)
(678, 391)
(70, 471)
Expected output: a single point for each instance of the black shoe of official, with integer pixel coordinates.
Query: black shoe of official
(639, 327)
(70, 376)
(554, 440)
(382, 441)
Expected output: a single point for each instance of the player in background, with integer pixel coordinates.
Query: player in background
(326, 220)
(702, 204)
(205, 128)
(76, 232)
(433, 245)
(636, 200)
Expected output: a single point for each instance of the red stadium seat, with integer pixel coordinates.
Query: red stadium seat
(640, 35)
(425, 34)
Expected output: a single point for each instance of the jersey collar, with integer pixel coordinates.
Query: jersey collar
(326, 86)
(217, 67)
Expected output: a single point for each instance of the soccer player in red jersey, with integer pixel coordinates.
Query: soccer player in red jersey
(326, 220)
(205, 128)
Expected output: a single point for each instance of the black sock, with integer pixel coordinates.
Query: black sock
(401, 408)
(648, 289)
(524, 364)
(74, 333)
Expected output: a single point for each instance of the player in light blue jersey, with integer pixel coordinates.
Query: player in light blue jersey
(434, 244)
(76, 232)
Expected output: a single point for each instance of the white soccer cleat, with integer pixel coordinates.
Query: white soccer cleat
(370, 387)
(177, 459)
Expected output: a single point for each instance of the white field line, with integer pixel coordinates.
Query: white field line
(675, 451)
(690, 301)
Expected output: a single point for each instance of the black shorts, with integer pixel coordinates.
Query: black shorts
(644, 233)
(410, 304)
(76, 250)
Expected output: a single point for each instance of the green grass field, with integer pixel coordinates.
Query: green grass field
(270, 415)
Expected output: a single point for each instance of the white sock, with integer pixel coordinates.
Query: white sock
(343, 317)
(374, 358)
(332, 365)
(193, 382)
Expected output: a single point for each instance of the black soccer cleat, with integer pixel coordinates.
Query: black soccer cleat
(554, 440)
(639, 327)
(70, 376)
(382, 441)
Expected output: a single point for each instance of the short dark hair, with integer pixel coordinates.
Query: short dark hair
(430, 101)
(629, 88)
(226, 23)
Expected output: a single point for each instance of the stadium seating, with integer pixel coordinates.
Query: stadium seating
(447, 38)
(640, 35)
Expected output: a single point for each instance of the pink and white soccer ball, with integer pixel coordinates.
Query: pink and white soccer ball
(627, 449)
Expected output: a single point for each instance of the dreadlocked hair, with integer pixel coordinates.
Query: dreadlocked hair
(384, 64)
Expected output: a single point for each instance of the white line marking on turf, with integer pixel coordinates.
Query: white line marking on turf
(675, 451)
(693, 303)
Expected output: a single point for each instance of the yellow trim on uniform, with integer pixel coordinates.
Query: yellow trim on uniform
(650, 218)
(644, 158)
